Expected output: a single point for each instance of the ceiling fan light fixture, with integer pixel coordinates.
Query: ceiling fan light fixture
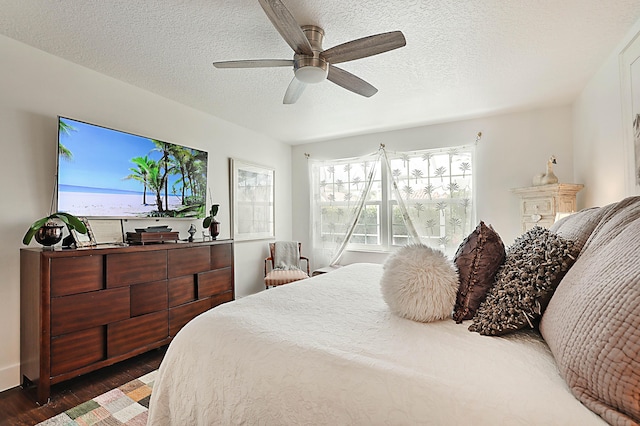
(311, 75)
(310, 70)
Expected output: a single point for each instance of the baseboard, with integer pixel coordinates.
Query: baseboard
(9, 377)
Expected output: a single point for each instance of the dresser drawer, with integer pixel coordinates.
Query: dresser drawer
(539, 206)
(221, 256)
(189, 261)
(149, 297)
(214, 282)
(129, 335)
(75, 350)
(87, 310)
(132, 268)
(71, 275)
(182, 290)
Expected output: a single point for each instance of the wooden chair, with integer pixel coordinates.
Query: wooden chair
(275, 277)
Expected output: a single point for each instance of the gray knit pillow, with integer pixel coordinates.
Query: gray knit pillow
(533, 268)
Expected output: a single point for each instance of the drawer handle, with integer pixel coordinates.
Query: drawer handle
(536, 217)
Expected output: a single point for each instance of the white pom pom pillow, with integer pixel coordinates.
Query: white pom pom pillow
(419, 283)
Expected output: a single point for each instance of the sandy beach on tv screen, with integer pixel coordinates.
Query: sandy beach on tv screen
(93, 204)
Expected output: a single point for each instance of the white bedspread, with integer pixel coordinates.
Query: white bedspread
(327, 351)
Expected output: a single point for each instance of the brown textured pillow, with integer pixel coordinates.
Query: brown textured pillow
(534, 265)
(592, 324)
(478, 259)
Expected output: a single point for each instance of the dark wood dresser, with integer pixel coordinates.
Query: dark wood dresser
(84, 309)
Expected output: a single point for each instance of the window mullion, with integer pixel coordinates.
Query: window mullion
(385, 213)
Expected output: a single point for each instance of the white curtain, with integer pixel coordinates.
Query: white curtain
(391, 199)
(339, 192)
(433, 197)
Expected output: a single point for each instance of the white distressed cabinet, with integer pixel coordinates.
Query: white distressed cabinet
(539, 204)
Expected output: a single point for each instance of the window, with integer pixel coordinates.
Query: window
(341, 184)
(433, 187)
(437, 189)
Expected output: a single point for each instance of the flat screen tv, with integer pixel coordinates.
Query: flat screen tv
(107, 173)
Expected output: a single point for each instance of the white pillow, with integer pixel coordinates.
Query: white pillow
(419, 283)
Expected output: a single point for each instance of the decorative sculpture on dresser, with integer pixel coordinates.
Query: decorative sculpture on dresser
(546, 178)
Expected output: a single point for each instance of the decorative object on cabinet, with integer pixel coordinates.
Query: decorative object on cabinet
(146, 237)
(49, 235)
(84, 309)
(549, 177)
(191, 231)
(252, 200)
(539, 204)
(77, 239)
(108, 231)
(211, 222)
(48, 230)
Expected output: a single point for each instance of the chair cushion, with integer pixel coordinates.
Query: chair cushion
(282, 276)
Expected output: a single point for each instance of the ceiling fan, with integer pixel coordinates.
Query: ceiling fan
(311, 64)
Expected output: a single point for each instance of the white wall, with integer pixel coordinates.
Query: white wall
(599, 151)
(34, 88)
(513, 149)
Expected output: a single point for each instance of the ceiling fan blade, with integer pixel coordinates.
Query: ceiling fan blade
(363, 47)
(287, 26)
(255, 63)
(350, 82)
(295, 89)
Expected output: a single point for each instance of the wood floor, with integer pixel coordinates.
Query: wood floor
(16, 408)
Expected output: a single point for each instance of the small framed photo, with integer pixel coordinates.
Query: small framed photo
(83, 240)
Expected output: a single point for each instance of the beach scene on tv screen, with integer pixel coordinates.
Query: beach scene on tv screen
(108, 173)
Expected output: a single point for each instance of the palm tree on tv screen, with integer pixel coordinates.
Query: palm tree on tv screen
(196, 172)
(64, 129)
(140, 174)
(155, 181)
(163, 166)
(190, 164)
(179, 158)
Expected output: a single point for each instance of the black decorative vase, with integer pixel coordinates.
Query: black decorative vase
(49, 235)
(214, 229)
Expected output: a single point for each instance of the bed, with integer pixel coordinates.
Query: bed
(327, 351)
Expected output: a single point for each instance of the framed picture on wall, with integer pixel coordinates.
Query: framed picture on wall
(630, 90)
(252, 201)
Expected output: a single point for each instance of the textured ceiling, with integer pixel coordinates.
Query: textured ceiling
(462, 59)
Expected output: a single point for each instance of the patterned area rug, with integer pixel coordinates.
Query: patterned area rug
(126, 405)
